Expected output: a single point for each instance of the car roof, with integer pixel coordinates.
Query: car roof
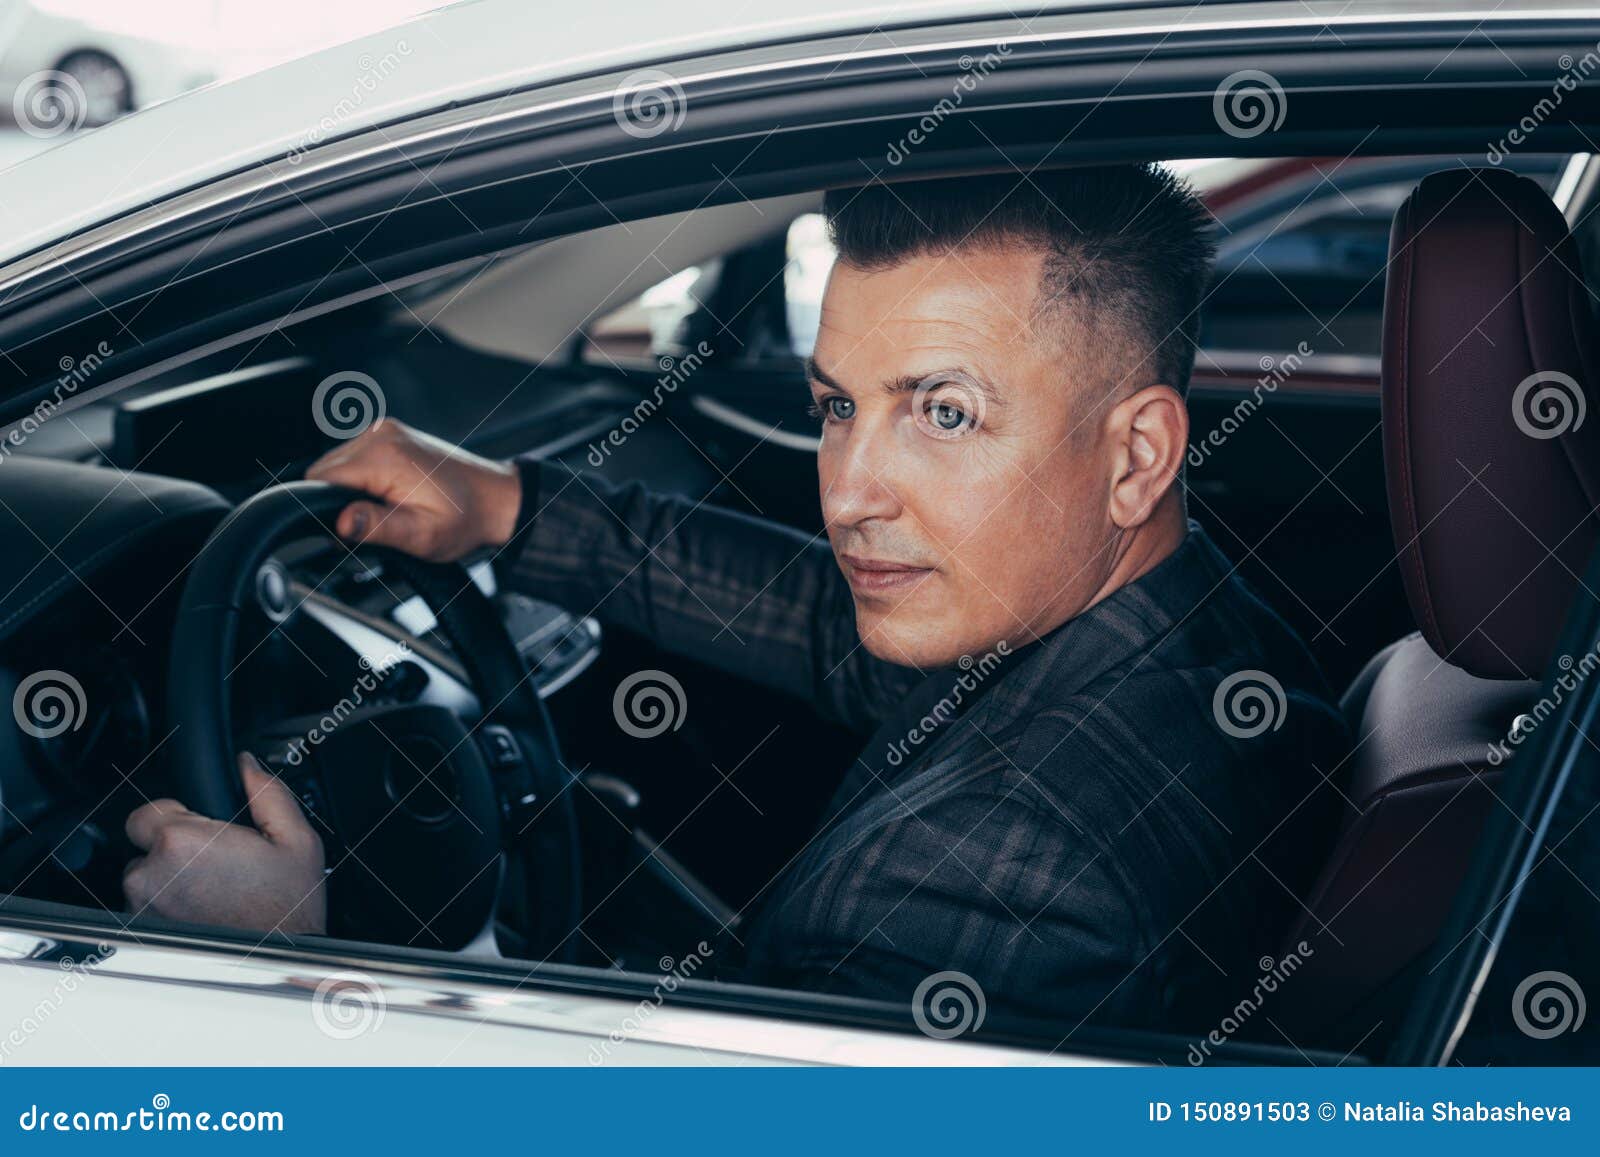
(475, 51)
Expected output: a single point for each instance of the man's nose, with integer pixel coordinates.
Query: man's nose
(860, 484)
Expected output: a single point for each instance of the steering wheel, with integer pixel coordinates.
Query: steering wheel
(419, 811)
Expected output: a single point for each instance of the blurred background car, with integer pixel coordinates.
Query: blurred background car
(67, 72)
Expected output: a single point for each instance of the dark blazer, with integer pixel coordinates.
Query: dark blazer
(1094, 827)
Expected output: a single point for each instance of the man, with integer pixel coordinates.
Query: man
(1061, 796)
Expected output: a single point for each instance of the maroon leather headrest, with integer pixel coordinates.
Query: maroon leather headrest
(1491, 439)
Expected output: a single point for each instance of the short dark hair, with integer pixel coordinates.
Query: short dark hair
(1129, 245)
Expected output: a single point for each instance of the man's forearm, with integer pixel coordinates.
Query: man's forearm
(748, 596)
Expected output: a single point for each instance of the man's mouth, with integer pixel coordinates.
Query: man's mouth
(881, 576)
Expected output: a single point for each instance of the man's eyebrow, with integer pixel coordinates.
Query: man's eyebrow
(816, 373)
(911, 383)
(959, 378)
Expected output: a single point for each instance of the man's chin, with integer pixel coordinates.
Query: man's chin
(917, 645)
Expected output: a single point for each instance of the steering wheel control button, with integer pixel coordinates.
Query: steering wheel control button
(499, 746)
(272, 591)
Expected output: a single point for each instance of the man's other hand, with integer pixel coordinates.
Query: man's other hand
(208, 872)
(438, 502)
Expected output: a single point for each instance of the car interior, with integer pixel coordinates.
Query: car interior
(1370, 319)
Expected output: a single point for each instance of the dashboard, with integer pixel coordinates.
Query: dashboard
(95, 563)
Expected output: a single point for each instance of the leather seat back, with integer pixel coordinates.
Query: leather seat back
(1494, 483)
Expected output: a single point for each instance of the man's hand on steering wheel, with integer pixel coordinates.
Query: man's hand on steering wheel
(443, 502)
(206, 871)
(438, 503)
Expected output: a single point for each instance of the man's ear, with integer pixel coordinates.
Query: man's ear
(1150, 432)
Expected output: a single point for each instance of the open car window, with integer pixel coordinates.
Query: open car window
(1301, 243)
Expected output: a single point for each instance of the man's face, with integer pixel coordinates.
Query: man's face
(963, 476)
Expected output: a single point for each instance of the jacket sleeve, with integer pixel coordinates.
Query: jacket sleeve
(750, 597)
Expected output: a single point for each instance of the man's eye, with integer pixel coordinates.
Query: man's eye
(834, 409)
(947, 418)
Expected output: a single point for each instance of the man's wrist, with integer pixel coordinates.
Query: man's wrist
(524, 473)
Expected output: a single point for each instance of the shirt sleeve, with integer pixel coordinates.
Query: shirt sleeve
(755, 599)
